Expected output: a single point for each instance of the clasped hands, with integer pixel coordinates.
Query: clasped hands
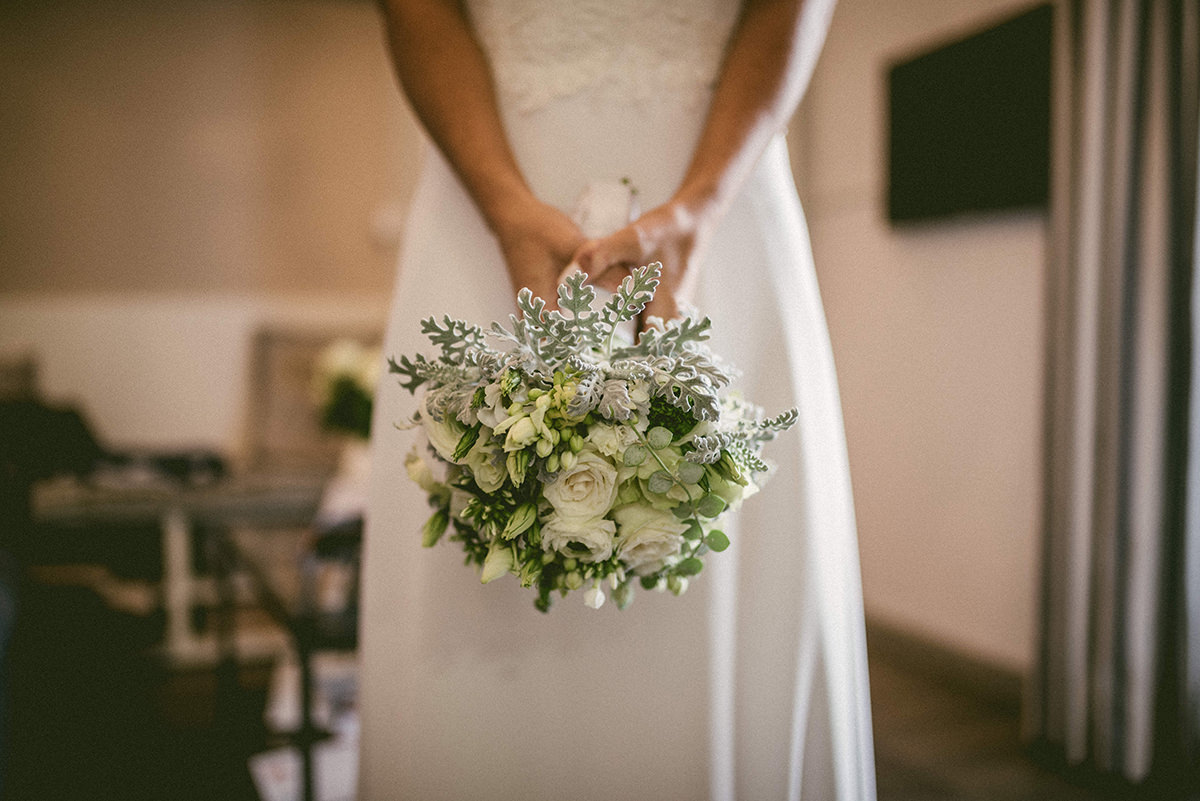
(542, 246)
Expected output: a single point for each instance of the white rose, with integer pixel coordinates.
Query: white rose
(586, 490)
(611, 440)
(647, 538)
(489, 474)
(443, 436)
(590, 540)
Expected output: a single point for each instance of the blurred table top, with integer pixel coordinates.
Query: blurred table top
(252, 499)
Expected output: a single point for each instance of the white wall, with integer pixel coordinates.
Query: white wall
(937, 332)
(161, 370)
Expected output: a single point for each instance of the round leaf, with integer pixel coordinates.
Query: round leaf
(660, 482)
(659, 437)
(635, 455)
(711, 505)
(690, 472)
(689, 567)
(717, 540)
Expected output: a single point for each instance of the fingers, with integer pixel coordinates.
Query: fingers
(569, 270)
(664, 305)
(607, 261)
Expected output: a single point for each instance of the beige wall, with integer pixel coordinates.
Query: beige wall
(177, 175)
(196, 145)
(937, 332)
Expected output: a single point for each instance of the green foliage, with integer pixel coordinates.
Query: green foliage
(434, 528)
(631, 297)
(671, 338)
(686, 382)
(347, 409)
(418, 370)
(454, 337)
(717, 540)
(467, 441)
(670, 417)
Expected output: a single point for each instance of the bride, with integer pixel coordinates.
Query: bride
(752, 685)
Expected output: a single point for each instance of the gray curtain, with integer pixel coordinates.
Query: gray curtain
(1116, 688)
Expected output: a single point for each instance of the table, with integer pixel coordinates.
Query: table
(252, 500)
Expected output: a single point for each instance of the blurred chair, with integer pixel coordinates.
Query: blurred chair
(37, 441)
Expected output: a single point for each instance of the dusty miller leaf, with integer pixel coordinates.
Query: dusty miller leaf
(419, 370)
(632, 296)
(454, 337)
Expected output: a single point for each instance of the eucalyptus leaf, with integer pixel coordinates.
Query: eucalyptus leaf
(635, 454)
(710, 505)
(717, 540)
(690, 472)
(658, 437)
(660, 482)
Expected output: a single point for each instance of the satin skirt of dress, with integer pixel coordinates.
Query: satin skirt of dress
(753, 684)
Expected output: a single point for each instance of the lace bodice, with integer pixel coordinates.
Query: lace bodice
(542, 50)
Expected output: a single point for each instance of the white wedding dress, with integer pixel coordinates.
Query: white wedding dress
(753, 684)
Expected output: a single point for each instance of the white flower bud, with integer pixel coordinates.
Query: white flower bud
(594, 597)
(418, 471)
(520, 434)
(498, 562)
(677, 584)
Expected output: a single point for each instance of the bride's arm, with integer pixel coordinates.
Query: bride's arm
(448, 81)
(763, 76)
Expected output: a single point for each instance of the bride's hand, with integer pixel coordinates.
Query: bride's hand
(537, 241)
(674, 234)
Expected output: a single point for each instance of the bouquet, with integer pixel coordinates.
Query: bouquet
(343, 387)
(574, 458)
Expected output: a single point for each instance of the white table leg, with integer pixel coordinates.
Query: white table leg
(178, 585)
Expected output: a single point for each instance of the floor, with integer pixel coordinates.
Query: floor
(936, 743)
(112, 722)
